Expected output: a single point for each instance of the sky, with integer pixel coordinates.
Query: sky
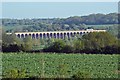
(55, 9)
(60, 0)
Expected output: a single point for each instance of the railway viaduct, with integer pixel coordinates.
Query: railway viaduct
(54, 34)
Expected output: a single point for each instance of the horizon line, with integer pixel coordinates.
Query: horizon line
(59, 17)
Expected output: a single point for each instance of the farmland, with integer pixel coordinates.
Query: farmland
(61, 65)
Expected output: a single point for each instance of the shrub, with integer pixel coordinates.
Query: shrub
(68, 49)
(15, 73)
(11, 48)
(81, 75)
(63, 70)
(56, 46)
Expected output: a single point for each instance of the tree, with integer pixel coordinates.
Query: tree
(68, 49)
(56, 46)
(27, 44)
(78, 45)
(10, 43)
(10, 39)
(70, 23)
(97, 40)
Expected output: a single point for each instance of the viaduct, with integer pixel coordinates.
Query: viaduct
(54, 34)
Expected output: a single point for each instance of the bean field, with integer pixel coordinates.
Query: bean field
(53, 65)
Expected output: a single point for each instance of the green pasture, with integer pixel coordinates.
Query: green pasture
(53, 65)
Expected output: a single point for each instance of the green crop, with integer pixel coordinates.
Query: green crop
(61, 65)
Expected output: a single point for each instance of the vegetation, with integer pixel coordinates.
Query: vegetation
(14, 73)
(81, 75)
(101, 42)
(27, 44)
(11, 43)
(96, 42)
(61, 24)
(60, 65)
(77, 63)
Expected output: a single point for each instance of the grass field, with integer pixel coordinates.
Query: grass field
(62, 65)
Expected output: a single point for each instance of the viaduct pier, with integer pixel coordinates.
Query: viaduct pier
(54, 34)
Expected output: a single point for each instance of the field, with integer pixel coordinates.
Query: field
(61, 65)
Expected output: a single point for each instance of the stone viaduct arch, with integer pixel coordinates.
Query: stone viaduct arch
(54, 34)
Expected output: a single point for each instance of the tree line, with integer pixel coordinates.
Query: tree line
(102, 42)
(56, 24)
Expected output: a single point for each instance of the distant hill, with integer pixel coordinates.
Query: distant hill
(55, 24)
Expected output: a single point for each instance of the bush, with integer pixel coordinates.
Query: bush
(11, 48)
(15, 73)
(56, 46)
(68, 49)
(63, 70)
(81, 75)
